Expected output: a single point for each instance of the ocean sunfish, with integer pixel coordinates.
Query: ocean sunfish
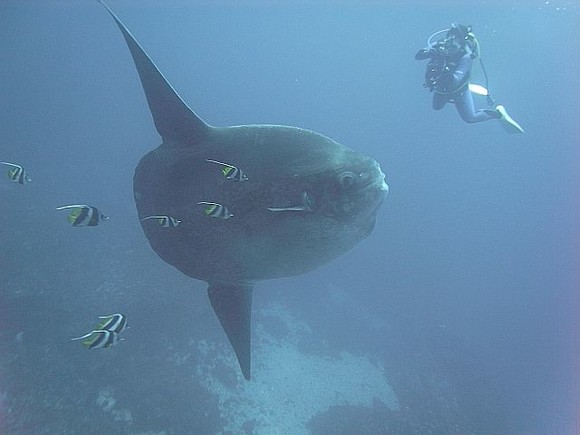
(305, 200)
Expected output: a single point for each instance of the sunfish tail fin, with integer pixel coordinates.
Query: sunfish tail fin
(232, 303)
(174, 120)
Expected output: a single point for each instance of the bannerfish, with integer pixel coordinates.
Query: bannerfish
(343, 189)
(163, 220)
(17, 173)
(215, 210)
(99, 339)
(83, 215)
(112, 322)
(230, 172)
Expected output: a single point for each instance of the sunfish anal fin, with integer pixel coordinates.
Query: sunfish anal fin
(232, 303)
(177, 124)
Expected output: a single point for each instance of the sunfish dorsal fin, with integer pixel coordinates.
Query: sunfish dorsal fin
(232, 304)
(177, 124)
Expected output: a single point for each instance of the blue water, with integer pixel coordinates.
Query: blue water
(463, 294)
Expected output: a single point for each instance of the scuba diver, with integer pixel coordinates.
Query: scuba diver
(448, 71)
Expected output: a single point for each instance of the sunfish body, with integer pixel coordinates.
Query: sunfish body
(268, 232)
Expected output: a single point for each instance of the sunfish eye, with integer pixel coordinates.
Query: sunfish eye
(347, 180)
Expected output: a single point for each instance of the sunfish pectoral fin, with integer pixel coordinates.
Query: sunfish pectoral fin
(232, 303)
(177, 124)
(296, 208)
(306, 205)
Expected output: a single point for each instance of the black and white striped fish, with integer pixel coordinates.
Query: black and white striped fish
(17, 173)
(164, 220)
(113, 322)
(215, 210)
(83, 215)
(99, 339)
(231, 172)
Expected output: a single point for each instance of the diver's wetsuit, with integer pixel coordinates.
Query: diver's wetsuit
(455, 89)
(452, 87)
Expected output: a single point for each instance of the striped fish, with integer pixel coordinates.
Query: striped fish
(230, 172)
(113, 322)
(17, 173)
(215, 210)
(99, 339)
(83, 215)
(164, 220)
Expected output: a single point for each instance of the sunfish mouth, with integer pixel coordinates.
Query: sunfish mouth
(383, 184)
(372, 195)
(376, 179)
(377, 189)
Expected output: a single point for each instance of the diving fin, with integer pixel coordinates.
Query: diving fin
(232, 303)
(507, 122)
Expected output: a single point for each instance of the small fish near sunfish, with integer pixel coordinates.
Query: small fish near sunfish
(17, 173)
(230, 172)
(215, 210)
(83, 215)
(163, 220)
(112, 322)
(99, 339)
